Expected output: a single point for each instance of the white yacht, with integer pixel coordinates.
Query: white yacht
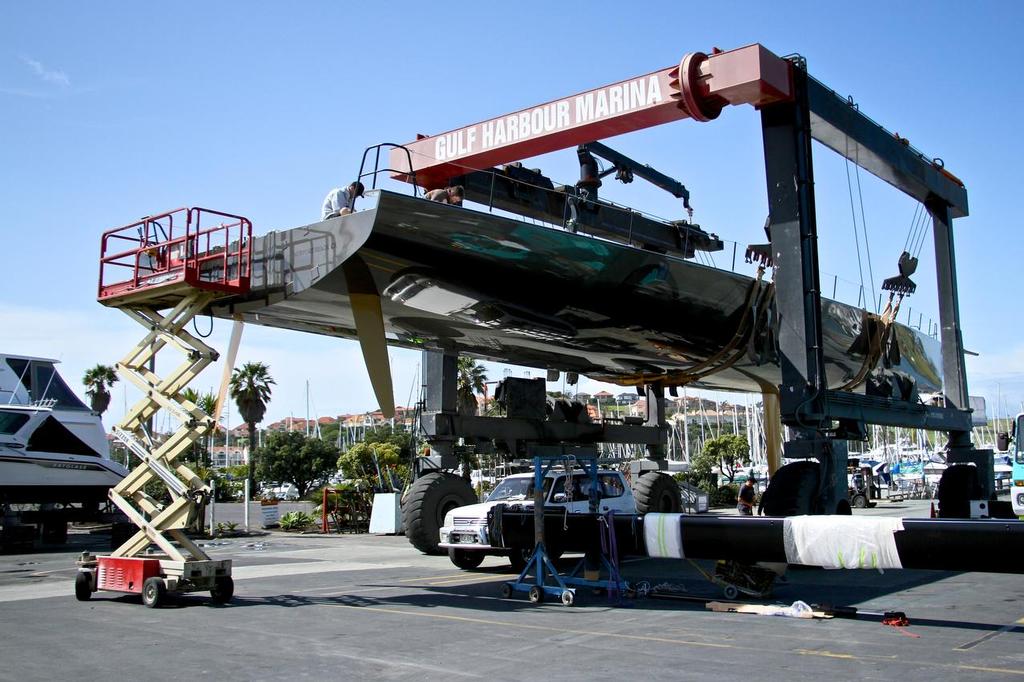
(53, 448)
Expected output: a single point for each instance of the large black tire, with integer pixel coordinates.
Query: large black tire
(430, 497)
(223, 589)
(83, 586)
(154, 592)
(518, 558)
(466, 559)
(792, 490)
(656, 492)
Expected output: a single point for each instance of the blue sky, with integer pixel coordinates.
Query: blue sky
(111, 111)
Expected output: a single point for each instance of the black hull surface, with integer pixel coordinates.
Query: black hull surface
(467, 281)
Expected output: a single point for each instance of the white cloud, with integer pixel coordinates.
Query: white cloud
(55, 76)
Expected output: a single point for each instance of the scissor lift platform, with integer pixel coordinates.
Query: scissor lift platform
(162, 271)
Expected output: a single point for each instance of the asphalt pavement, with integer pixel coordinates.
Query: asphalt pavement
(372, 607)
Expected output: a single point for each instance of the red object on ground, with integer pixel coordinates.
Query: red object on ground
(121, 574)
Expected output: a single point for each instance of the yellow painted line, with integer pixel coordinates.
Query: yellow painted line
(824, 654)
(522, 626)
(468, 580)
(429, 577)
(983, 669)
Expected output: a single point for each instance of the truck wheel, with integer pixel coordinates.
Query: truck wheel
(430, 497)
(519, 557)
(83, 586)
(860, 502)
(657, 492)
(154, 591)
(223, 589)
(465, 559)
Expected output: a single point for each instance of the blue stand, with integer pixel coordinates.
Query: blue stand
(539, 578)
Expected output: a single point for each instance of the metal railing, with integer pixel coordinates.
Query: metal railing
(177, 246)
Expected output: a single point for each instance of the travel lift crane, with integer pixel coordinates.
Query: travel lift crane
(162, 271)
(795, 108)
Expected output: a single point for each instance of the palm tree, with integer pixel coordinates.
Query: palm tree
(207, 402)
(250, 389)
(471, 381)
(97, 380)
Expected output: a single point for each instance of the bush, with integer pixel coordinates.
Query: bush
(297, 520)
(226, 528)
(724, 496)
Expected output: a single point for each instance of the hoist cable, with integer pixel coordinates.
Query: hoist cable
(853, 214)
(864, 226)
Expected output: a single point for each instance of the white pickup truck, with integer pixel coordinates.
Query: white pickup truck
(464, 533)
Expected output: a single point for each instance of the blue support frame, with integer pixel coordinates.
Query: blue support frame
(539, 569)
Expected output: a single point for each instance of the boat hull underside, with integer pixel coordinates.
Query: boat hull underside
(469, 282)
(30, 479)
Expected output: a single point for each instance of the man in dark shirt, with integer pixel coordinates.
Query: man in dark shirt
(745, 500)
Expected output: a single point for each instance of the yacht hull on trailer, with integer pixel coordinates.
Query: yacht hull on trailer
(53, 448)
(470, 282)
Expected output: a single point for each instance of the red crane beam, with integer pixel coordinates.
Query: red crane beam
(699, 87)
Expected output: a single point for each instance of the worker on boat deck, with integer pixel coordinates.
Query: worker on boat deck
(341, 201)
(745, 499)
(447, 195)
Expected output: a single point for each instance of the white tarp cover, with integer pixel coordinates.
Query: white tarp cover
(663, 535)
(842, 541)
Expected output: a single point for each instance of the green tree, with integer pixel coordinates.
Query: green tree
(701, 472)
(207, 402)
(373, 463)
(291, 457)
(729, 452)
(471, 380)
(98, 381)
(250, 389)
(399, 436)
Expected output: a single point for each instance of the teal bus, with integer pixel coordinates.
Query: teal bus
(1017, 476)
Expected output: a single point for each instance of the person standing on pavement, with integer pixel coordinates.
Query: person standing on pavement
(341, 201)
(745, 499)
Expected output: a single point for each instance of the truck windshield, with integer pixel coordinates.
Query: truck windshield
(516, 489)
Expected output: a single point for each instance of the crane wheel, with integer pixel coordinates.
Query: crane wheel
(430, 497)
(656, 492)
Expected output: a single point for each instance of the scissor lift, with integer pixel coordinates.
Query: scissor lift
(162, 271)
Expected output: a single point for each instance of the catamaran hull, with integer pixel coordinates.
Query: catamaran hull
(466, 281)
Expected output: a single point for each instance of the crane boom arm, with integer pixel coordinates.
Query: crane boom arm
(699, 87)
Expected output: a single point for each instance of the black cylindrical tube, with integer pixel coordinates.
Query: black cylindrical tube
(983, 545)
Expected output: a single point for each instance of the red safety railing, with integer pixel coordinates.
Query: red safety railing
(200, 247)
